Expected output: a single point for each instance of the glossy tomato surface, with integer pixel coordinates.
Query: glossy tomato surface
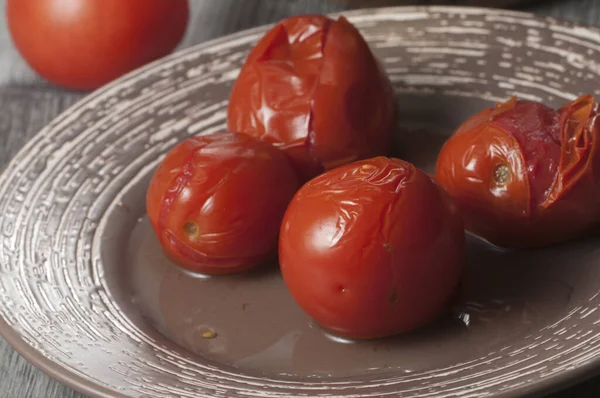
(216, 202)
(372, 248)
(312, 87)
(83, 44)
(525, 175)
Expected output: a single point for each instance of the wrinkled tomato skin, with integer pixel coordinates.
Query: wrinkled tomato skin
(312, 87)
(216, 202)
(552, 189)
(372, 248)
(83, 45)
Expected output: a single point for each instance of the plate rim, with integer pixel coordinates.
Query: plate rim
(79, 383)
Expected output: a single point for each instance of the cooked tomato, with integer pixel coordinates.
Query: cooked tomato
(216, 202)
(83, 44)
(372, 248)
(524, 174)
(312, 87)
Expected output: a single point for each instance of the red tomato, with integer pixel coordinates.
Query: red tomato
(83, 44)
(216, 202)
(372, 248)
(525, 175)
(312, 87)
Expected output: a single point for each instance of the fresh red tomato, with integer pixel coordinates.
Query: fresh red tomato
(83, 44)
(372, 248)
(525, 175)
(216, 202)
(312, 87)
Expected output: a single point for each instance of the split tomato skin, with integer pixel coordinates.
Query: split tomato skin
(372, 248)
(312, 87)
(83, 45)
(525, 175)
(216, 202)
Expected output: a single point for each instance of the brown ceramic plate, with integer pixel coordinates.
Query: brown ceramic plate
(87, 295)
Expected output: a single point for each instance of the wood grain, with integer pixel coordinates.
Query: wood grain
(27, 104)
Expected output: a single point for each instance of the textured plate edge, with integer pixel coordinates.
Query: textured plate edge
(52, 369)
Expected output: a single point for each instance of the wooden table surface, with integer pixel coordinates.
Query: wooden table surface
(27, 103)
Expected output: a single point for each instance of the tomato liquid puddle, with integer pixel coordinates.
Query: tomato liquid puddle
(251, 322)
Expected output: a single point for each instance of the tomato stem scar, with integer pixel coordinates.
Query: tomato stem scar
(191, 229)
(501, 174)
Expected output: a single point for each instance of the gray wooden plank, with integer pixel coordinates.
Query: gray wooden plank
(27, 103)
(18, 379)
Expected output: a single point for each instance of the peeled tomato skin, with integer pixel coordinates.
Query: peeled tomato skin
(518, 175)
(372, 248)
(313, 88)
(216, 202)
(535, 127)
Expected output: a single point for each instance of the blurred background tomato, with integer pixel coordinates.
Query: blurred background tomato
(52, 21)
